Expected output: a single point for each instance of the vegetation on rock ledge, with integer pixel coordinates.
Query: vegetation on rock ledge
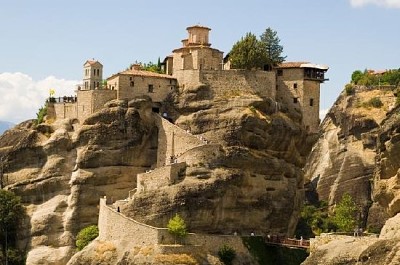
(86, 235)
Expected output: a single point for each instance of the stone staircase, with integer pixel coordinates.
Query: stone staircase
(174, 148)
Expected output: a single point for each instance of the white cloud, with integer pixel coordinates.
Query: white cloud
(384, 3)
(21, 96)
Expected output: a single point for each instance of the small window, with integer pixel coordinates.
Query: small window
(295, 100)
(132, 83)
(98, 72)
(295, 85)
(151, 88)
(130, 78)
(94, 71)
(280, 72)
(276, 87)
(311, 102)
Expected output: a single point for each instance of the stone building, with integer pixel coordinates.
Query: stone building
(195, 54)
(293, 84)
(298, 87)
(92, 75)
(136, 82)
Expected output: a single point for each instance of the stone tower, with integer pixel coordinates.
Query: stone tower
(298, 87)
(92, 75)
(196, 52)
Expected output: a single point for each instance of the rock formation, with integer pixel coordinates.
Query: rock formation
(358, 153)
(247, 179)
(365, 250)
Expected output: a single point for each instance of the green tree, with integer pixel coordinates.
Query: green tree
(86, 235)
(272, 50)
(346, 214)
(177, 227)
(11, 214)
(314, 220)
(247, 53)
(226, 254)
(41, 114)
(356, 76)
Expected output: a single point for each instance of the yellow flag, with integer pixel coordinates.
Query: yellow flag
(52, 91)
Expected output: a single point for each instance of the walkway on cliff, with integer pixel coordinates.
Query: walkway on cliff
(287, 242)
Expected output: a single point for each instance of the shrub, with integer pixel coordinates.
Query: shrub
(41, 114)
(349, 89)
(177, 227)
(86, 235)
(375, 102)
(226, 254)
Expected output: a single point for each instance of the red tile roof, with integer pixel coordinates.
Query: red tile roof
(91, 62)
(291, 64)
(197, 26)
(142, 73)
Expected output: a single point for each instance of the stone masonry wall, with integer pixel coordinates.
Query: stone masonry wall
(233, 83)
(65, 110)
(159, 177)
(311, 113)
(115, 226)
(90, 101)
(201, 154)
(173, 141)
(291, 86)
(131, 86)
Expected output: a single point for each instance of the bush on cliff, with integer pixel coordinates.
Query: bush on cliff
(41, 114)
(226, 254)
(86, 235)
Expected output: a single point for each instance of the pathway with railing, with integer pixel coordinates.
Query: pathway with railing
(287, 242)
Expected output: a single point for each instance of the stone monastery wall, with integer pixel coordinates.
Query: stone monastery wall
(173, 141)
(115, 226)
(159, 177)
(65, 110)
(90, 101)
(228, 83)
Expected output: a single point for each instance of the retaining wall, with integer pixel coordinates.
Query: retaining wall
(159, 177)
(173, 141)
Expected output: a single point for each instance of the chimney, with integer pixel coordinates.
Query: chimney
(136, 66)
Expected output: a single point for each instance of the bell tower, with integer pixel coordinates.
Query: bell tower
(92, 75)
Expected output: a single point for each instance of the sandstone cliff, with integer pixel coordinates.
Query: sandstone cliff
(365, 250)
(358, 153)
(246, 178)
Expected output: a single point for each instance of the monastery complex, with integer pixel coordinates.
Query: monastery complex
(295, 85)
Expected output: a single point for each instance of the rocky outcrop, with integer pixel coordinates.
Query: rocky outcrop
(61, 170)
(353, 152)
(365, 250)
(245, 175)
(250, 182)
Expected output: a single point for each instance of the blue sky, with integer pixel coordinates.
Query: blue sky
(45, 43)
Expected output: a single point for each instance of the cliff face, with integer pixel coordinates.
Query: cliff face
(61, 171)
(247, 178)
(357, 153)
(250, 181)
